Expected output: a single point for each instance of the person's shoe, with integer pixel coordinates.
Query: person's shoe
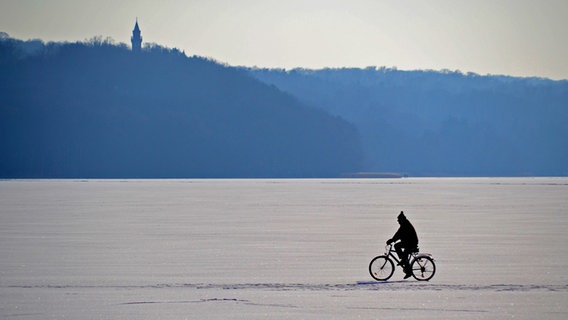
(407, 272)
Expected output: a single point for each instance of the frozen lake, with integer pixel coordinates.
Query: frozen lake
(280, 249)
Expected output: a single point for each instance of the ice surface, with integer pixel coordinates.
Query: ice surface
(280, 249)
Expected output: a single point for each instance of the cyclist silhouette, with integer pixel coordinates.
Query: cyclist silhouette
(408, 242)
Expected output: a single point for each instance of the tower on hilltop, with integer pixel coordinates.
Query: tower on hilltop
(136, 38)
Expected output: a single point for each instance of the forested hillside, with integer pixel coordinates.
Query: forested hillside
(97, 110)
(442, 123)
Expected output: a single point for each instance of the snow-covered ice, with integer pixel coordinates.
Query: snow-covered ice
(280, 249)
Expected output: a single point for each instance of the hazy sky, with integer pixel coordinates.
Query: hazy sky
(513, 37)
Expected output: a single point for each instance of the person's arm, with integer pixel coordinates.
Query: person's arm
(396, 236)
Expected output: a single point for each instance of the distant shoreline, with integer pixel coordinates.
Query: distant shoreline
(376, 175)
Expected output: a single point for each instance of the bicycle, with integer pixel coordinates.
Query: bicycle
(382, 267)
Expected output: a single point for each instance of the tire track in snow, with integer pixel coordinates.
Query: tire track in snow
(361, 285)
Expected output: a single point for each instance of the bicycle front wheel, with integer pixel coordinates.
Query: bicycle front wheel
(423, 268)
(381, 268)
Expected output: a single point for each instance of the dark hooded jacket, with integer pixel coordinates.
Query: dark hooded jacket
(406, 232)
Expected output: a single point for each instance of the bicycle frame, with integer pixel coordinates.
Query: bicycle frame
(390, 252)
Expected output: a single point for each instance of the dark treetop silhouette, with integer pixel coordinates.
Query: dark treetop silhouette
(430, 123)
(96, 109)
(99, 110)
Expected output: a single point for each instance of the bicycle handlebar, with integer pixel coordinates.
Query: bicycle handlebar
(388, 247)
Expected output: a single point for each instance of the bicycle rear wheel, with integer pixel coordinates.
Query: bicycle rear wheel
(423, 268)
(381, 268)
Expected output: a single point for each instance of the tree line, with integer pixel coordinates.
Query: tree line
(96, 110)
(442, 123)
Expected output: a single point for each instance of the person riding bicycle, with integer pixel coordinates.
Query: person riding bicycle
(408, 242)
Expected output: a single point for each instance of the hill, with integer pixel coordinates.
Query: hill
(442, 123)
(97, 110)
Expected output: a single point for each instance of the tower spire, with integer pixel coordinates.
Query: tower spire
(136, 38)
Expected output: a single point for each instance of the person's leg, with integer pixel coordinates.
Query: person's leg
(407, 251)
(401, 251)
(398, 248)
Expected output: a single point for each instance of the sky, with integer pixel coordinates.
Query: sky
(509, 37)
